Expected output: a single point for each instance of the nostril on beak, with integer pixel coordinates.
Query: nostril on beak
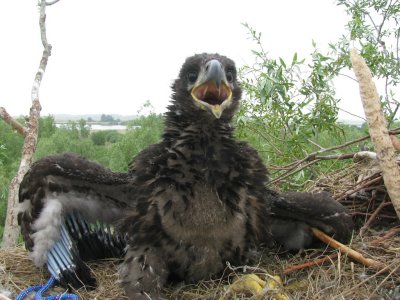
(214, 72)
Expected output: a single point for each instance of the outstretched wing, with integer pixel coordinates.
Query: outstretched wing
(68, 206)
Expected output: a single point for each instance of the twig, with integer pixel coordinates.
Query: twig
(337, 157)
(347, 112)
(395, 266)
(383, 216)
(385, 279)
(359, 186)
(315, 144)
(291, 168)
(312, 157)
(378, 37)
(313, 160)
(309, 264)
(373, 216)
(392, 232)
(397, 45)
(288, 173)
(265, 138)
(346, 250)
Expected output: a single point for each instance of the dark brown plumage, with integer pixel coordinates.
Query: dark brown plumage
(190, 203)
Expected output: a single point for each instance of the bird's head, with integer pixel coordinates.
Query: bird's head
(207, 84)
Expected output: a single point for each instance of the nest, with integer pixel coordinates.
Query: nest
(17, 272)
(322, 273)
(361, 189)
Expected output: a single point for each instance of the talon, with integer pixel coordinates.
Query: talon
(256, 286)
(248, 283)
(274, 285)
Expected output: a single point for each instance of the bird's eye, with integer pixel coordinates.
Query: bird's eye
(192, 76)
(229, 76)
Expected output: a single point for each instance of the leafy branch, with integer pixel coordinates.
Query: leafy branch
(291, 104)
(295, 167)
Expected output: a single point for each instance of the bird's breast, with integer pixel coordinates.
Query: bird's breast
(200, 217)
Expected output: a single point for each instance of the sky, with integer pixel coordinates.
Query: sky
(111, 56)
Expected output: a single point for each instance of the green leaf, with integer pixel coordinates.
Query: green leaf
(294, 60)
(282, 62)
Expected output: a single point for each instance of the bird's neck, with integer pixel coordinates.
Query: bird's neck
(196, 126)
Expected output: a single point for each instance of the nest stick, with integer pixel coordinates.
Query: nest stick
(309, 264)
(392, 232)
(373, 216)
(357, 256)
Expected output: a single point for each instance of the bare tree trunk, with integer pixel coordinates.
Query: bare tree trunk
(11, 230)
(378, 129)
(30, 132)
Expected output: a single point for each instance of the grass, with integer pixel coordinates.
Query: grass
(339, 278)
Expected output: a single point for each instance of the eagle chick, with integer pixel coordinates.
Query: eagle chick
(189, 204)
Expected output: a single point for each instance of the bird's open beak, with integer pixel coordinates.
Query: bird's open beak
(211, 90)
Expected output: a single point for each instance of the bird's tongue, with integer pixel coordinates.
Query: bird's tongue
(210, 93)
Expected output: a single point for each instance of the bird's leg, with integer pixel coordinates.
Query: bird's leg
(143, 273)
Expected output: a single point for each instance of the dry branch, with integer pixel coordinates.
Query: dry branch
(296, 166)
(378, 129)
(12, 122)
(309, 264)
(11, 230)
(375, 178)
(388, 235)
(335, 157)
(374, 214)
(346, 250)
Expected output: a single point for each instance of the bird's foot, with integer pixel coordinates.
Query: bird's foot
(252, 284)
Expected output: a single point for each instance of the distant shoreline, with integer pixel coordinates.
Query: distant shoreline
(95, 119)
